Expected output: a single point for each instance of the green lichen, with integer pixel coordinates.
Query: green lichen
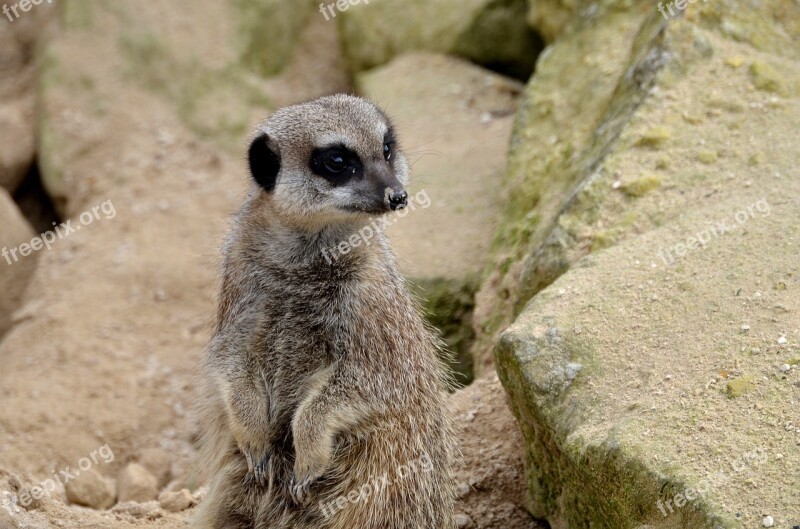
(766, 77)
(654, 137)
(739, 386)
(641, 186)
(707, 157)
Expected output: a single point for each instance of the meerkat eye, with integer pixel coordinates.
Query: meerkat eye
(335, 163)
(387, 151)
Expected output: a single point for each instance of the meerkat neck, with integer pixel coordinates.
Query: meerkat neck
(337, 244)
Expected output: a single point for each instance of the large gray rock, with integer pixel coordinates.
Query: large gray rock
(486, 31)
(652, 394)
(661, 364)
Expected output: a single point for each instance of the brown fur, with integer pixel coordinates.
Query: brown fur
(323, 370)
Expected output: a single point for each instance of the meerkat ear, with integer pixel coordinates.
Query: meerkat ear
(265, 162)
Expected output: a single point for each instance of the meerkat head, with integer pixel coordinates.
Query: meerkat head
(332, 160)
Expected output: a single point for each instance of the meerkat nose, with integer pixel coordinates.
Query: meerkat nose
(397, 199)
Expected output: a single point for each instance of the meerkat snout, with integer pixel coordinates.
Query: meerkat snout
(396, 199)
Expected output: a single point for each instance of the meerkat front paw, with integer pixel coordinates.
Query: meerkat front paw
(258, 467)
(308, 468)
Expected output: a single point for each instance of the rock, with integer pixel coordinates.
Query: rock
(17, 143)
(176, 501)
(767, 521)
(619, 421)
(200, 494)
(159, 463)
(485, 31)
(91, 489)
(550, 17)
(149, 509)
(272, 25)
(136, 484)
(551, 158)
(15, 269)
(18, 94)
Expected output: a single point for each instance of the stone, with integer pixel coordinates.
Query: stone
(17, 142)
(18, 94)
(590, 123)
(136, 484)
(15, 270)
(176, 501)
(159, 463)
(272, 25)
(149, 509)
(485, 31)
(91, 489)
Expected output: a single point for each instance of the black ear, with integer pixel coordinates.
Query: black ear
(265, 162)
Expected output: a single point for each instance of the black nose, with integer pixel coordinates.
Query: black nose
(398, 200)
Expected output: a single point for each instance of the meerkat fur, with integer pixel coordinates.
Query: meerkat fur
(324, 390)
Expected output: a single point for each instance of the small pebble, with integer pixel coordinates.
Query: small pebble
(176, 501)
(782, 340)
(767, 521)
(785, 367)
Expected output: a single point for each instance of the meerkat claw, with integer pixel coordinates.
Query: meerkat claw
(258, 469)
(300, 489)
(261, 471)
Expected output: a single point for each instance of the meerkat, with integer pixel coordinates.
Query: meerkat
(324, 402)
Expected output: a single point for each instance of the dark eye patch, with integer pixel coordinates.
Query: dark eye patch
(337, 164)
